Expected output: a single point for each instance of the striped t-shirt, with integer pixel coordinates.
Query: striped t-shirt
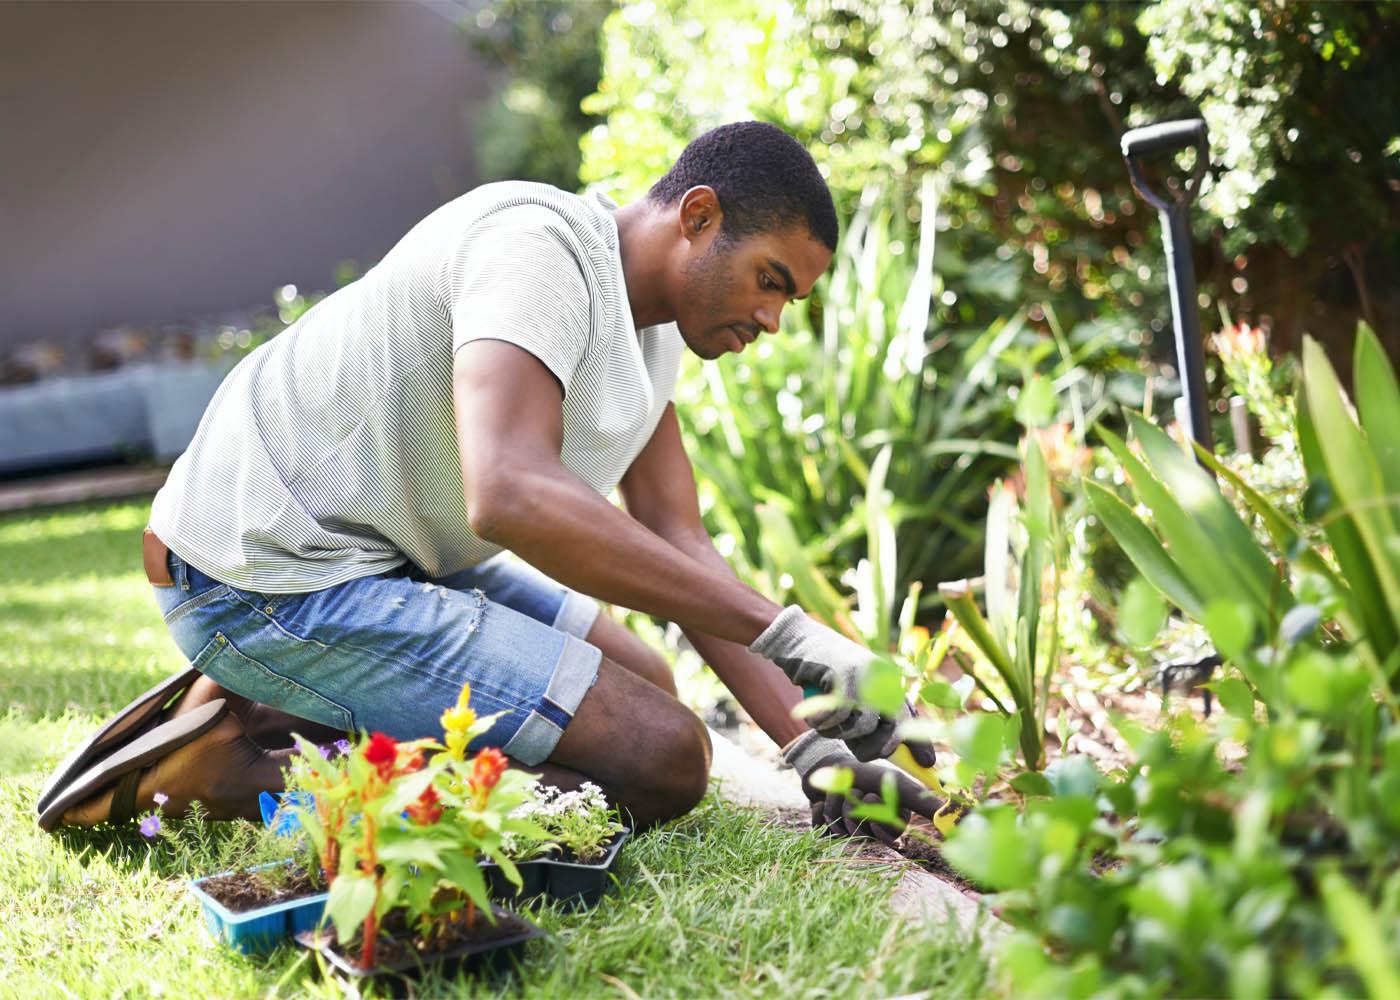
(330, 452)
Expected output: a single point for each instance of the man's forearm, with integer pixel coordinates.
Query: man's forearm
(759, 684)
(563, 528)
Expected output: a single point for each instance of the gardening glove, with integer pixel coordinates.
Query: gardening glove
(815, 656)
(831, 812)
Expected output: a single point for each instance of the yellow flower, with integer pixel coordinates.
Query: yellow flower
(457, 721)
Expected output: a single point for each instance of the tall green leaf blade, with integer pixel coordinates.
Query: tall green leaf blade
(880, 548)
(1378, 405)
(1353, 472)
(1379, 626)
(997, 561)
(1142, 548)
(1287, 536)
(1200, 496)
(1037, 520)
(1192, 549)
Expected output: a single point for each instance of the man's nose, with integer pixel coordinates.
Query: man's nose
(767, 318)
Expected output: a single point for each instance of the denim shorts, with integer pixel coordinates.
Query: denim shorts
(390, 652)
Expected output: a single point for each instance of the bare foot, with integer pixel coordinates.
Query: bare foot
(222, 769)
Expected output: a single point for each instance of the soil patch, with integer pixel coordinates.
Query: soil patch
(928, 857)
(403, 947)
(249, 890)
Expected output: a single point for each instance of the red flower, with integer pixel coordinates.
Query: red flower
(382, 751)
(487, 768)
(426, 810)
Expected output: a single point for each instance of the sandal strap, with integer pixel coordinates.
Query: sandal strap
(124, 797)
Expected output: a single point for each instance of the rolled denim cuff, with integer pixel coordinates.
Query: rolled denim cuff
(782, 632)
(575, 672)
(576, 615)
(811, 749)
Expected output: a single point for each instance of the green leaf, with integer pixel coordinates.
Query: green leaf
(1288, 538)
(1143, 550)
(832, 780)
(1378, 626)
(1231, 628)
(997, 561)
(992, 848)
(1036, 406)
(940, 694)
(1360, 930)
(1075, 775)
(882, 686)
(351, 899)
(413, 850)
(1141, 612)
(1235, 695)
(1355, 474)
(1032, 783)
(1232, 545)
(978, 740)
(1378, 406)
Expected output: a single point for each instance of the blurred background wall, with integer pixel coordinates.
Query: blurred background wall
(160, 161)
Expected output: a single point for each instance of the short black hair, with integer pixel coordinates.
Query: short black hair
(762, 176)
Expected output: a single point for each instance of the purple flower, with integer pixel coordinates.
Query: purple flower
(150, 826)
(325, 750)
(343, 746)
(161, 798)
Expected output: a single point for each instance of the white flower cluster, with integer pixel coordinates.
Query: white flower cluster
(581, 821)
(549, 801)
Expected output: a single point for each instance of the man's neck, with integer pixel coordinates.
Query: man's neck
(644, 238)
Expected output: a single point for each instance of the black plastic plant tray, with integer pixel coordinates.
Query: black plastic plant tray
(569, 882)
(495, 954)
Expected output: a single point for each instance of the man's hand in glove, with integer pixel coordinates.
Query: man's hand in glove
(815, 656)
(832, 812)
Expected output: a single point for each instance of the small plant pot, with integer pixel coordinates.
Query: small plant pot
(533, 881)
(260, 930)
(498, 946)
(577, 884)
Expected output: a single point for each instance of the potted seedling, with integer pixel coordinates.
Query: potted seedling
(401, 837)
(579, 840)
(277, 888)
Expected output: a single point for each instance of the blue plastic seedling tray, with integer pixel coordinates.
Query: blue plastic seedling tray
(256, 932)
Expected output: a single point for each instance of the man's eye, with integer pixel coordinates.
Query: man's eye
(767, 283)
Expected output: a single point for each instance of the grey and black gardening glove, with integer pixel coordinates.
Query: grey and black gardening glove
(832, 812)
(817, 657)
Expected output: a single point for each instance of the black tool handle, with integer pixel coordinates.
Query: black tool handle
(1164, 135)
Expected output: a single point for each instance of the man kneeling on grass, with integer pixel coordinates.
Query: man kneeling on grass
(378, 502)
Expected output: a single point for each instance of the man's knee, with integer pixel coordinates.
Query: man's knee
(681, 773)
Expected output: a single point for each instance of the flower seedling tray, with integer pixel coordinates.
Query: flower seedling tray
(506, 941)
(260, 930)
(573, 883)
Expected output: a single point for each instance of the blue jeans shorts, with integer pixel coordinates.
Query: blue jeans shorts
(390, 652)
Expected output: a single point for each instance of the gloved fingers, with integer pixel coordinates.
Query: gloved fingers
(833, 718)
(858, 725)
(879, 742)
(854, 827)
(914, 798)
(922, 752)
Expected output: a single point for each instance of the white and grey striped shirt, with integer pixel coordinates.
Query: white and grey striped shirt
(330, 452)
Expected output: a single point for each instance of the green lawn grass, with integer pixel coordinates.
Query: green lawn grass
(719, 903)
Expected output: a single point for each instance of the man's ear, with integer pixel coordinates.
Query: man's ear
(700, 213)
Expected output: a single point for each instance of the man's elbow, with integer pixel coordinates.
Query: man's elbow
(493, 512)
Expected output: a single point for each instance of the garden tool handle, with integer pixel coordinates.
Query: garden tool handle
(1166, 135)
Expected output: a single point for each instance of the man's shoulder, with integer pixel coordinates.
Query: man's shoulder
(531, 206)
